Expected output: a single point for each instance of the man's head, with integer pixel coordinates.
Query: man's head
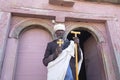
(59, 30)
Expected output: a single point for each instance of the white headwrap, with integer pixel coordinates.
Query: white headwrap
(59, 27)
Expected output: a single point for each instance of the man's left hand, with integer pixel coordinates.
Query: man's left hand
(76, 40)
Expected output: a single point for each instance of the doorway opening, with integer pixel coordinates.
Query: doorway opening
(92, 67)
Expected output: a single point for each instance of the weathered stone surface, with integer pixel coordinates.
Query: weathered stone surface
(4, 27)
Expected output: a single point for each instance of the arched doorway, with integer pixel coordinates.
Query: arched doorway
(92, 66)
(32, 44)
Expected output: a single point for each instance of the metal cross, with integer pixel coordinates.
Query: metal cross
(60, 42)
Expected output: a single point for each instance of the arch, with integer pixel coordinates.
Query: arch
(19, 28)
(95, 33)
(26, 24)
(99, 38)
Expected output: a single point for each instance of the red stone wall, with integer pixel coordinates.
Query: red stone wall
(104, 18)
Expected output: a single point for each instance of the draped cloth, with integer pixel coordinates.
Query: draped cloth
(57, 69)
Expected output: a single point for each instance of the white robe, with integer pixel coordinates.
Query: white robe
(57, 68)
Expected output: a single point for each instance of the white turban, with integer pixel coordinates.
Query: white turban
(59, 27)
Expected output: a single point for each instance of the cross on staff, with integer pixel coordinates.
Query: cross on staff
(76, 56)
(75, 33)
(60, 42)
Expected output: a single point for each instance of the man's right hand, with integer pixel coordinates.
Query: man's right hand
(58, 50)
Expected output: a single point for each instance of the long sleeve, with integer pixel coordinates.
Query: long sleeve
(49, 56)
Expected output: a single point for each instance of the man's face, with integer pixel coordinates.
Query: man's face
(60, 34)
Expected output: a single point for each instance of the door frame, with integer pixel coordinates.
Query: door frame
(14, 36)
(100, 43)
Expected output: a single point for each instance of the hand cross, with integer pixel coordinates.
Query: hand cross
(60, 42)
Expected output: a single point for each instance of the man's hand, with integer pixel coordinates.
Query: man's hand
(57, 52)
(76, 40)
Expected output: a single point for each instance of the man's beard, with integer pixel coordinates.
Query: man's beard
(59, 37)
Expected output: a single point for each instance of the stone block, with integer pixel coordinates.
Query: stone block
(65, 3)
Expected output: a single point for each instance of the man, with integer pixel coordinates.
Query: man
(60, 59)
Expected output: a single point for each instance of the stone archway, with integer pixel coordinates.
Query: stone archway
(16, 30)
(32, 43)
(92, 67)
(13, 43)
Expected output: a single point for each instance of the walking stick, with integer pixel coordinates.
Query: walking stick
(76, 56)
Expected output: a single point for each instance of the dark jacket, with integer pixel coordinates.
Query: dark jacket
(51, 47)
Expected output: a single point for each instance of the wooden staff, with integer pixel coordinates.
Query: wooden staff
(60, 42)
(76, 56)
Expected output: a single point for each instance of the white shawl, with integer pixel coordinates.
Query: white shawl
(57, 68)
